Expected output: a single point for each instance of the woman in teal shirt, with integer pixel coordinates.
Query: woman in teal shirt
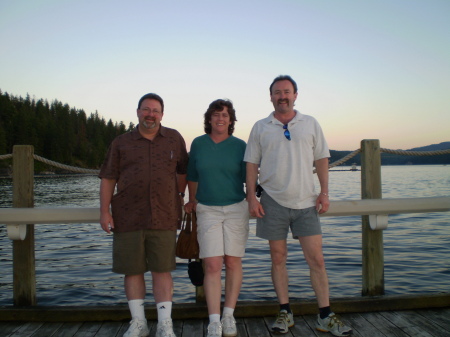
(216, 176)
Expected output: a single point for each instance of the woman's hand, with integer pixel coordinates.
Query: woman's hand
(190, 206)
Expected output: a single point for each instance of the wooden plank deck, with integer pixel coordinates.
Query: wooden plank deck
(407, 323)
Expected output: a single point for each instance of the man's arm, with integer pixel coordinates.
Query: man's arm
(107, 187)
(322, 201)
(254, 206)
(181, 182)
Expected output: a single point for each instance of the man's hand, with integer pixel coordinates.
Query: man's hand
(255, 208)
(106, 221)
(322, 203)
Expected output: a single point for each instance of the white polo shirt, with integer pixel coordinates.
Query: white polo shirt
(286, 166)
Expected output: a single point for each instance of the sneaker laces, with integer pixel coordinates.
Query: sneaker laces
(137, 324)
(282, 316)
(334, 320)
(165, 327)
(227, 320)
(215, 328)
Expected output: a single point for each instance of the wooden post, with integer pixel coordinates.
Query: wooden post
(24, 271)
(200, 296)
(372, 240)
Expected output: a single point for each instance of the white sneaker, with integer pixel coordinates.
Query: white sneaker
(284, 321)
(229, 326)
(138, 328)
(165, 329)
(214, 329)
(334, 325)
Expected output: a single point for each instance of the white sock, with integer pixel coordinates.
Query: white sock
(137, 309)
(164, 310)
(214, 318)
(228, 311)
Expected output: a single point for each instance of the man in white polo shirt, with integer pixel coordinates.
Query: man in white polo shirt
(281, 151)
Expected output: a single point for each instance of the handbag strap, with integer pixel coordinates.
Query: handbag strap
(186, 226)
(189, 222)
(194, 222)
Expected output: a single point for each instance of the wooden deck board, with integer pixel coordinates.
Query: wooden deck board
(407, 323)
(48, 329)
(241, 328)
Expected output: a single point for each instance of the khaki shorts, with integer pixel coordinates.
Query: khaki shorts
(146, 250)
(222, 230)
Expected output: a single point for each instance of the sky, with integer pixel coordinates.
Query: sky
(365, 69)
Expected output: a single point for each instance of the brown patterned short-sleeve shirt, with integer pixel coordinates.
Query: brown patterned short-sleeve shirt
(146, 174)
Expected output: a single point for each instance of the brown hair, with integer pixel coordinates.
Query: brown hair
(218, 105)
(284, 78)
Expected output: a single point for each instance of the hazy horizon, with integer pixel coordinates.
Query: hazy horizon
(375, 69)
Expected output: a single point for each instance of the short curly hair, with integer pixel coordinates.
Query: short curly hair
(219, 105)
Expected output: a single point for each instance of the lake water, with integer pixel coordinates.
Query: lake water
(73, 261)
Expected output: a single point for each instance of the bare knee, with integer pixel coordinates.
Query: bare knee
(233, 263)
(316, 262)
(213, 265)
(279, 258)
(278, 252)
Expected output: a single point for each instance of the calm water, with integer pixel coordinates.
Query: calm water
(73, 261)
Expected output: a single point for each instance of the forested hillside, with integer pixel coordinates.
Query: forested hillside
(67, 135)
(57, 131)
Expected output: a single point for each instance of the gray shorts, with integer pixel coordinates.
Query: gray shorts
(146, 250)
(277, 220)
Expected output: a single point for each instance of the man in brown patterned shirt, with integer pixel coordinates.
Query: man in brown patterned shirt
(148, 166)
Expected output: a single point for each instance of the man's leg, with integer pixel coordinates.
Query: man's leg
(280, 278)
(134, 287)
(162, 286)
(312, 250)
(163, 292)
(327, 321)
(135, 292)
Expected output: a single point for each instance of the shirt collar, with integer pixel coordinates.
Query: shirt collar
(271, 118)
(136, 134)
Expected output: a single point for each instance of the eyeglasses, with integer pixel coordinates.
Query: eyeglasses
(287, 134)
(148, 111)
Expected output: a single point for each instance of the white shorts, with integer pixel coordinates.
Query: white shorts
(222, 230)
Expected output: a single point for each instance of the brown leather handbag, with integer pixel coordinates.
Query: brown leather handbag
(187, 244)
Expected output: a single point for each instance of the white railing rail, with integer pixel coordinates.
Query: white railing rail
(16, 219)
(373, 209)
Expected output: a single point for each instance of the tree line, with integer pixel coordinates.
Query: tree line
(67, 135)
(57, 131)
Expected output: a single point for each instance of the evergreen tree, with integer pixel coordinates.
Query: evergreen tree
(57, 131)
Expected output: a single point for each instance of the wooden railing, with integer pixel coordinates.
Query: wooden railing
(374, 211)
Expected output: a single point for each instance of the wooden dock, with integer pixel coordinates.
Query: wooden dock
(372, 315)
(421, 322)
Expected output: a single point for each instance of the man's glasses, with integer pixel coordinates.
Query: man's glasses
(148, 111)
(287, 134)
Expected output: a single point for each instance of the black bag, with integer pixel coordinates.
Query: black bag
(195, 272)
